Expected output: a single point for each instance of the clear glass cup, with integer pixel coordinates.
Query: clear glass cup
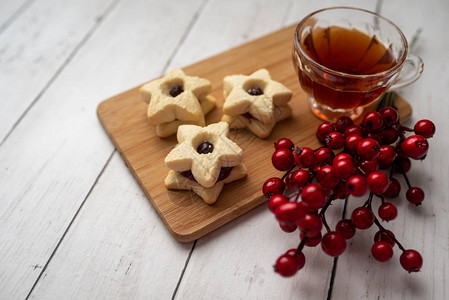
(347, 58)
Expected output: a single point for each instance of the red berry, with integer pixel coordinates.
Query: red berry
(314, 195)
(342, 123)
(362, 218)
(411, 261)
(288, 181)
(275, 201)
(341, 190)
(393, 190)
(399, 151)
(307, 208)
(345, 228)
(344, 168)
(324, 156)
(368, 149)
(354, 129)
(327, 177)
(341, 156)
(357, 185)
(384, 236)
(372, 120)
(402, 163)
(300, 258)
(382, 251)
(289, 212)
(425, 128)
(283, 159)
(387, 211)
(378, 182)
(390, 116)
(389, 135)
(369, 166)
(297, 179)
(273, 186)
(287, 227)
(415, 195)
(333, 243)
(286, 265)
(304, 157)
(387, 155)
(323, 130)
(376, 135)
(335, 140)
(310, 225)
(415, 147)
(284, 143)
(312, 241)
(352, 142)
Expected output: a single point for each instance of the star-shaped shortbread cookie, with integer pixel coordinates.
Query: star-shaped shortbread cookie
(210, 195)
(205, 165)
(175, 97)
(257, 101)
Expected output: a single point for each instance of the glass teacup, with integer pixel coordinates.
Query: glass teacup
(347, 58)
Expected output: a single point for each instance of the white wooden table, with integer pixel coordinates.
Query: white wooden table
(75, 224)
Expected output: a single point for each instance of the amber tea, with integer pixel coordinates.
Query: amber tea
(346, 58)
(349, 51)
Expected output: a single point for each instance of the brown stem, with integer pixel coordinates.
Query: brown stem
(404, 128)
(361, 171)
(392, 168)
(390, 235)
(381, 198)
(323, 217)
(301, 245)
(376, 221)
(288, 172)
(405, 176)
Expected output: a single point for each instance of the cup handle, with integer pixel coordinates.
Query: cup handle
(411, 71)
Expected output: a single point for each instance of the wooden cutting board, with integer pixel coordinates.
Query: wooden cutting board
(185, 215)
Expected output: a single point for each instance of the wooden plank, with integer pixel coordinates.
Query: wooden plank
(116, 248)
(36, 47)
(10, 10)
(54, 156)
(215, 32)
(186, 216)
(421, 228)
(235, 262)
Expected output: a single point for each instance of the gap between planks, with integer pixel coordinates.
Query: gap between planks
(183, 270)
(15, 15)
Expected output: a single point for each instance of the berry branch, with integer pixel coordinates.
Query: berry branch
(316, 178)
(405, 177)
(323, 216)
(382, 229)
(301, 245)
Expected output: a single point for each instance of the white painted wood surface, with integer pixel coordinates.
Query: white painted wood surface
(74, 223)
(10, 10)
(37, 46)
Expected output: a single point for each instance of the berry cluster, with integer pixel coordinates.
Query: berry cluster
(315, 178)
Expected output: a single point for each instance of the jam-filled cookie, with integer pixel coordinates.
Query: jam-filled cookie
(204, 160)
(255, 101)
(177, 99)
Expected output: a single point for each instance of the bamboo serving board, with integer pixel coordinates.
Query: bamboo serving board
(185, 215)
